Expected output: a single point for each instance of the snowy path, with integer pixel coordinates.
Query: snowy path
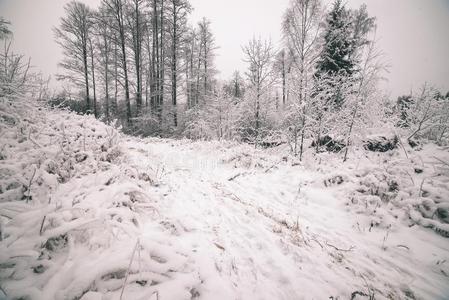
(113, 217)
(280, 234)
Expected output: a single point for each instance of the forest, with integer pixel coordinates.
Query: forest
(142, 174)
(141, 64)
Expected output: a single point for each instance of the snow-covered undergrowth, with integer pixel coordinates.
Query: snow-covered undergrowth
(88, 213)
(72, 211)
(402, 186)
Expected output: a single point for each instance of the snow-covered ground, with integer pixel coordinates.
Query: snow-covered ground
(87, 213)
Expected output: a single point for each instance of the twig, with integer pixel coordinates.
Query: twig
(235, 176)
(42, 225)
(129, 268)
(314, 239)
(29, 185)
(344, 250)
(420, 188)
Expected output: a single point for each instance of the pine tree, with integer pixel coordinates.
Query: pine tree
(344, 39)
(336, 55)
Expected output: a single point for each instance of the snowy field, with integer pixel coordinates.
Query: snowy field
(89, 213)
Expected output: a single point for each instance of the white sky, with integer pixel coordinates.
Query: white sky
(414, 34)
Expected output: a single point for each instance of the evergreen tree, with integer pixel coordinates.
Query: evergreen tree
(344, 39)
(336, 54)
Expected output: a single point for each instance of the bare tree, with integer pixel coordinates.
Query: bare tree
(92, 65)
(283, 67)
(136, 23)
(206, 54)
(73, 37)
(189, 57)
(105, 45)
(301, 28)
(116, 7)
(178, 10)
(259, 54)
(14, 72)
(427, 114)
(158, 57)
(368, 78)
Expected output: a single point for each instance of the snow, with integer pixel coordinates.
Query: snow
(108, 214)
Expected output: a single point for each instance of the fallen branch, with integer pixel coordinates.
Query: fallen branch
(339, 249)
(403, 246)
(235, 176)
(42, 225)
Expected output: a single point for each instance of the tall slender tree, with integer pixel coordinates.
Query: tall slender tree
(116, 7)
(178, 11)
(301, 28)
(73, 37)
(258, 54)
(206, 53)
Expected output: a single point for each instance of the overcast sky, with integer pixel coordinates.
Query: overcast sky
(414, 34)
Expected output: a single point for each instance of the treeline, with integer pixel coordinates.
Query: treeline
(135, 60)
(139, 61)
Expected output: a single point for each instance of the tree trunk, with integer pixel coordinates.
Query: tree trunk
(348, 140)
(155, 62)
(86, 74)
(197, 92)
(106, 77)
(115, 80)
(162, 62)
(137, 53)
(174, 65)
(93, 78)
(125, 69)
(303, 130)
(283, 79)
(257, 113)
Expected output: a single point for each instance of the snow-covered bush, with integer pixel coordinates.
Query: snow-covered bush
(425, 115)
